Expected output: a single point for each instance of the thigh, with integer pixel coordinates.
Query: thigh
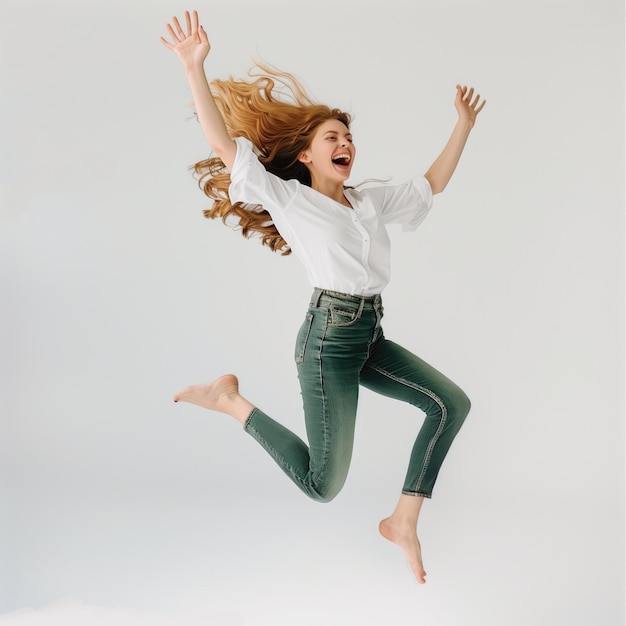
(396, 372)
(329, 355)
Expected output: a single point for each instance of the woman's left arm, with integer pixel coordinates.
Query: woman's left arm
(468, 107)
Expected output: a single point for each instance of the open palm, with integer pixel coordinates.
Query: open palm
(468, 106)
(191, 46)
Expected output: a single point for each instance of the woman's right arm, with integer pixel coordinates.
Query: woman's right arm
(192, 49)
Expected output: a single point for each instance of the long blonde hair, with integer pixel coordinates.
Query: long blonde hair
(275, 113)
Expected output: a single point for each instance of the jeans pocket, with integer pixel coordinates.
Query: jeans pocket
(303, 338)
(343, 315)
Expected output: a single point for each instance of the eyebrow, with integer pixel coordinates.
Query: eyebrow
(336, 132)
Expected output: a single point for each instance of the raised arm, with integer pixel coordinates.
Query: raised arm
(192, 49)
(441, 170)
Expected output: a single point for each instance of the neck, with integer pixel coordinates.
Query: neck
(332, 190)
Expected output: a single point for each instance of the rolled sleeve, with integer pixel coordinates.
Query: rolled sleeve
(252, 184)
(246, 179)
(407, 204)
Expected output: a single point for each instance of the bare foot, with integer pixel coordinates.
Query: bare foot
(406, 538)
(221, 395)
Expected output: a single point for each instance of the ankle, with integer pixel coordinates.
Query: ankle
(238, 407)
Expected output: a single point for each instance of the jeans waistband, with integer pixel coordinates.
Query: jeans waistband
(343, 297)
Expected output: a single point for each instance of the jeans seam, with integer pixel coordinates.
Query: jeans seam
(324, 409)
(375, 336)
(309, 320)
(435, 437)
(247, 422)
(407, 492)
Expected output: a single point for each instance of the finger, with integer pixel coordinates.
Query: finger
(173, 35)
(203, 36)
(179, 30)
(480, 108)
(476, 101)
(188, 22)
(166, 43)
(469, 95)
(195, 21)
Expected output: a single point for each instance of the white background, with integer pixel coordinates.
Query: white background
(116, 293)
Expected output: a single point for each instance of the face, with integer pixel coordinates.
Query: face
(331, 153)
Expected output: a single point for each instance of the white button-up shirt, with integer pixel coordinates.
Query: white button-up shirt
(342, 249)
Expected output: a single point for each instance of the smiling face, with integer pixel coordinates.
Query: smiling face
(331, 154)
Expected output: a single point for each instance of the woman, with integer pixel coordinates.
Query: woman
(288, 164)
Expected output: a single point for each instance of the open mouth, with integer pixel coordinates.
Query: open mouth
(342, 160)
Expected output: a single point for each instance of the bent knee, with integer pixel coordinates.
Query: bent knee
(323, 496)
(326, 490)
(457, 405)
(463, 404)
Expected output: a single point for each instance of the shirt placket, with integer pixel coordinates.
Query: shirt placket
(365, 246)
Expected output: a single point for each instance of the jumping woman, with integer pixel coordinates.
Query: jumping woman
(280, 170)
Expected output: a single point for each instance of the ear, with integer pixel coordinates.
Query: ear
(304, 157)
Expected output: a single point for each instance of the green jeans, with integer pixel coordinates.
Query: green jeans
(339, 347)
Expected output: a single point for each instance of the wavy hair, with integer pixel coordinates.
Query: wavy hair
(274, 112)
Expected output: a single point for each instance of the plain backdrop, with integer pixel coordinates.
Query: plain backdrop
(118, 506)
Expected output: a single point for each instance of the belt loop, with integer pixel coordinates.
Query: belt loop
(315, 298)
(361, 305)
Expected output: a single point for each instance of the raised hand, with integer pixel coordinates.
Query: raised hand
(466, 107)
(191, 46)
